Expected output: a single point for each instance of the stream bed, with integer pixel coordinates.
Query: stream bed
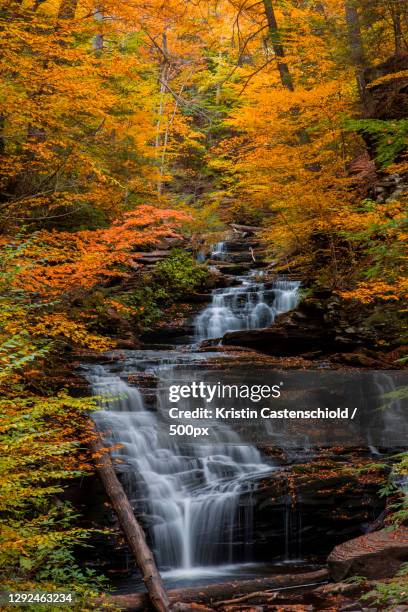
(194, 500)
(209, 507)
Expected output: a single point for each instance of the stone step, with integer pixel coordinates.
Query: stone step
(233, 258)
(253, 257)
(241, 245)
(236, 268)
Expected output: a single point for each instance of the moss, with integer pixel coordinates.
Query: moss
(170, 280)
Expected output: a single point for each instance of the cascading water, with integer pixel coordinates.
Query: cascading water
(190, 494)
(220, 251)
(195, 499)
(253, 304)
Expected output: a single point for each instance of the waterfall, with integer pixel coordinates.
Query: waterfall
(189, 496)
(389, 420)
(194, 499)
(220, 251)
(252, 304)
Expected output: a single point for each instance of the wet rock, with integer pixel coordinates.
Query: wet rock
(178, 323)
(242, 257)
(285, 340)
(219, 279)
(306, 509)
(241, 245)
(361, 359)
(231, 268)
(130, 342)
(388, 99)
(142, 379)
(213, 346)
(157, 346)
(199, 298)
(89, 356)
(325, 324)
(375, 555)
(169, 332)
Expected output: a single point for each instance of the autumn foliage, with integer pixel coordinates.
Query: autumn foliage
(126, 124)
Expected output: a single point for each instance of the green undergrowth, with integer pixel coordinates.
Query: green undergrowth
(170, 281)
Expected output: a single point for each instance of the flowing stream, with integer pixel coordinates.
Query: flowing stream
(189, 494)
(252, 304)
(195, 500)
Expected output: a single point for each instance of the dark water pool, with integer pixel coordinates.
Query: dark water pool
(200, 576)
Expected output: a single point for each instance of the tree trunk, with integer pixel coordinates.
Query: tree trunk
(131, 528)
(67, 9)
(283, 68)
(161, 148)
(356, 47)
(98, 39)
(396, 16)
(2, 139)
(274, 35)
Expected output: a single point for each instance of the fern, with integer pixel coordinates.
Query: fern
(390, 137)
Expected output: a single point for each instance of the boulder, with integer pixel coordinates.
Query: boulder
(285, 341)
(231, 268)
(375, 555)
(388, 98)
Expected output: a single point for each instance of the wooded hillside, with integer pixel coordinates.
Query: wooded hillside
(128, 127)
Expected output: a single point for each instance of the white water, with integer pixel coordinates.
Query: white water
(252, 304)
(220, 251)
(194, 499)
(189, 493)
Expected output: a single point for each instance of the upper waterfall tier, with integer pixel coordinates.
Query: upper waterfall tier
(251, 304)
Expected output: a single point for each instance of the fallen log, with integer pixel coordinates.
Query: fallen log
(132, 530)
(270, 596)
(246, 229)
(209, 594)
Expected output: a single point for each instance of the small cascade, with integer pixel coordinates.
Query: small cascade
(251, 304)
(220, 251)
